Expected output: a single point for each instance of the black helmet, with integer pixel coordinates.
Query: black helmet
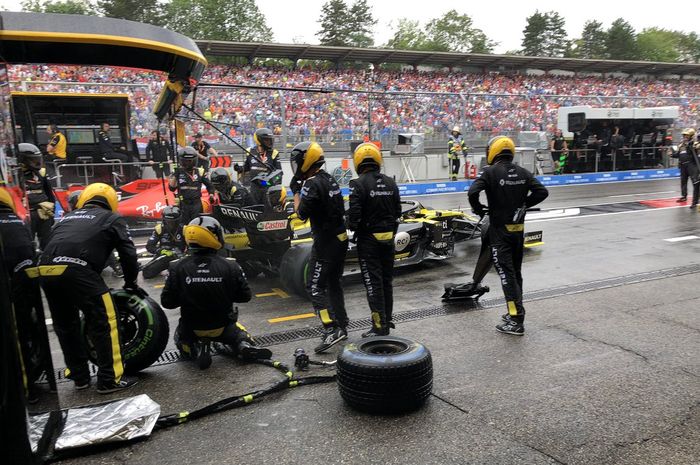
(220, 179)
(73, 199)
(187, 157)
(264, 137)
(29, 156)
(171, 217)
(204, 232)
(277, 196)
(305, 157)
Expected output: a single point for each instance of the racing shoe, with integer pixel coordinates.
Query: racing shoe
(376, 332)
(125, 383)
(248, 351)
(681, 199)
(511, 327)
(330, 339)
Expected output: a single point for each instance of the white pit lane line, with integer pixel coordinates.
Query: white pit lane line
(681, 238)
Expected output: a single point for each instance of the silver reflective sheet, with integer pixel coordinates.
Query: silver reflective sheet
(121, 420)
(37, 425)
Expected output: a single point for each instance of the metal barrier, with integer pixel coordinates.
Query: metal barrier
(86, 173)
(581, 160)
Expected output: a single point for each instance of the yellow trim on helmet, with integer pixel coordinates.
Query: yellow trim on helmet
(7, 200)
(201, 236)
(313, 155)
(99, 189)
(497, 146)
(283, 195)
(690, 132)
(366, 151)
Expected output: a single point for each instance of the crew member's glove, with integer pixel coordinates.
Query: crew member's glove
(136, 290)
(480, 211)
(295, 185)
(237, 168)
(45, 210)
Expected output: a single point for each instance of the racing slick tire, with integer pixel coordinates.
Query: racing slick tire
(385, 374)
(294, 269)
(143, 329)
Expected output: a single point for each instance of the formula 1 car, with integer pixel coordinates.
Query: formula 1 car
(270, 239)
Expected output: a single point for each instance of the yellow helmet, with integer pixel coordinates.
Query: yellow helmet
(497, 146)
(101, 194)
(204, 232)
(690, 132)
(7, 200)
(366, 154)
(305, 156)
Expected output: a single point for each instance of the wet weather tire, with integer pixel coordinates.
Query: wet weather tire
(294, 269)
(385, 374)
(143, 330)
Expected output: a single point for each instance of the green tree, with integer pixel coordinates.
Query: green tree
(654, 44)
(72, 7)
(234, 20)
(360, 23)
(454, 32)
(143, 11)
(689, 48)
(621, 41)
(334, 20)
(534, 39)
(408, 35)
(545, 35)
(592, 41)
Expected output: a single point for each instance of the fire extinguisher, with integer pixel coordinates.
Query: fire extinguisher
(469, 170)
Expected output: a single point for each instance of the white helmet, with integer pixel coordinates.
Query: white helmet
(456, 129)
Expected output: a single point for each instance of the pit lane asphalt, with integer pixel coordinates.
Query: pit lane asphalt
(609, 376)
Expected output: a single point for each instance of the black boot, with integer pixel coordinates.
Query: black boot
(248, 351)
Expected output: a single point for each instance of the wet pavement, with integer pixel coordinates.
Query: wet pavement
(602, 376)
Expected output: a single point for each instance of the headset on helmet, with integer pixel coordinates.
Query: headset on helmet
(29, 156)
(366, 155)
(73, 199)
(305, 157)
(265, 138)
(6, 201)
(99, 194)
(187, 157)
(497, 146)
(204, 232)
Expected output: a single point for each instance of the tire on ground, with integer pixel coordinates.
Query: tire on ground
(294, 269)
(143, 328)
(385, 374)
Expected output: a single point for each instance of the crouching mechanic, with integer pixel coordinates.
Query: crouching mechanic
(166, 243)
(317, 197)
(70, 267)
(205, 286)
(510, 191)
(375, 207)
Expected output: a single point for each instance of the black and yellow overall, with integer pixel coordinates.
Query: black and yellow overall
(375, 207)
(69, 270)
(41, 201)
(188, 188)
(510, 190)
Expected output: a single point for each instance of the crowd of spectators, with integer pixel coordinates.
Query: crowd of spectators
(489, 102)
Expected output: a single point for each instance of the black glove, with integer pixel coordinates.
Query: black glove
(237, 168)
(135, 289)
(295, 185)
(480, 211)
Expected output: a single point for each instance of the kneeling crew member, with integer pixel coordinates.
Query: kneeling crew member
(229, 191)
(167, 235)
(205, 286)
(510, 190)
(187, 182)
(317, 197)
(40, 198)
(375, 207)
(70, 270)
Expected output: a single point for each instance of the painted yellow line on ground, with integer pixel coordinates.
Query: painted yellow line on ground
(301, 316)
(275, 292)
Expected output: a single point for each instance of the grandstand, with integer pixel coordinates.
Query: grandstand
(338, 105)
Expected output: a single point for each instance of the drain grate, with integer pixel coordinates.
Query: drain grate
(293, 335)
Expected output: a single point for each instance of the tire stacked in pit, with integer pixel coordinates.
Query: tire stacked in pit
(385, 374)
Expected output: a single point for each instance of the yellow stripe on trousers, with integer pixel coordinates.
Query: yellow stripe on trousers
(114, 337)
